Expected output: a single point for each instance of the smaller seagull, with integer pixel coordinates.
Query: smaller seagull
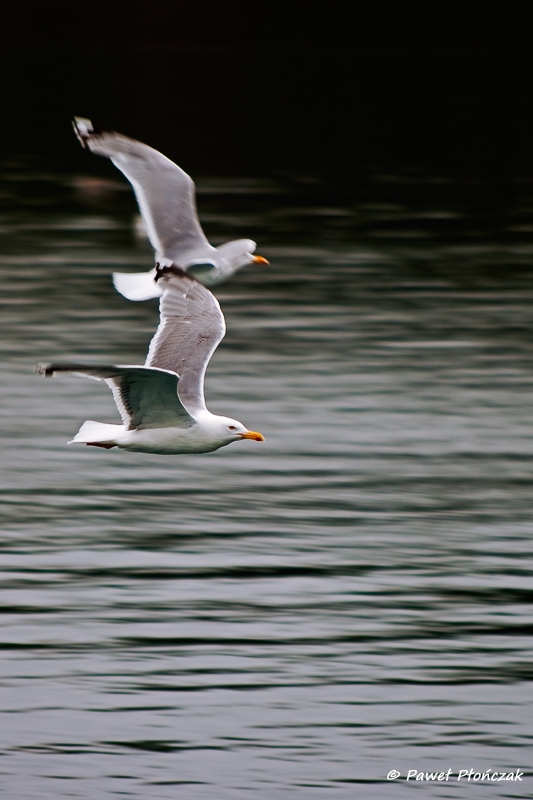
(162, 403)
(166, 198)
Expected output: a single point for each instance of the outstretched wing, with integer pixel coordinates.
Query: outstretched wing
(164, 192)
(146, 397)
(191, 327)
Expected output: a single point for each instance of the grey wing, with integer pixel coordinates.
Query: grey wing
(145, 397)
(164, 192)
(191, 327)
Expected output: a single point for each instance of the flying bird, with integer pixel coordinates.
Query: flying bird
(162, 403)
(166, 198)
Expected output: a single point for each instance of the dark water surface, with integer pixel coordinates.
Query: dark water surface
(291, 619)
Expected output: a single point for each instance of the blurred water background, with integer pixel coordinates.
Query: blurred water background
(287, 619)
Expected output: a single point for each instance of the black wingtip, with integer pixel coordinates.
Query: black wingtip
(85, 129)
(172, 269)
(47, 370)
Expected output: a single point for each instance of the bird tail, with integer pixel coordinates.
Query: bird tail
(101, 434)
(137, 286)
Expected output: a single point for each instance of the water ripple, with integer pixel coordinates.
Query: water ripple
(297, 618)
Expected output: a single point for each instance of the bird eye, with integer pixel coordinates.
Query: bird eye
(232, 428)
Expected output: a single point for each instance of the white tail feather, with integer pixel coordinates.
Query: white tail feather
(92, 431)
(137, 286)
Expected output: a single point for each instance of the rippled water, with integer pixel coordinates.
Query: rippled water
(291, 619)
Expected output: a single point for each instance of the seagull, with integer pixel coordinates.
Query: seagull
(162, 403)
(166, 198)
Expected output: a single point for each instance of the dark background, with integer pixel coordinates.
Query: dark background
(242, 86)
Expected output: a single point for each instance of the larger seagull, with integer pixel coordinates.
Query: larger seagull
(162, 403)
(166, 198)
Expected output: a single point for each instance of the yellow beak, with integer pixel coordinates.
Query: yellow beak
(257, 437)
(259, 260)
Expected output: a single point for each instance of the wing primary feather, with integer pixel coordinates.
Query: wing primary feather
(191, 327)
(165, 193)
(146, 397)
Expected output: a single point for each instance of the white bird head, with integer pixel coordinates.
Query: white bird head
(239, 253)
(225, 261)
(229, 430)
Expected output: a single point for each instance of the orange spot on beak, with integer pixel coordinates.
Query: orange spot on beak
(259, 260)
(257, 437)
